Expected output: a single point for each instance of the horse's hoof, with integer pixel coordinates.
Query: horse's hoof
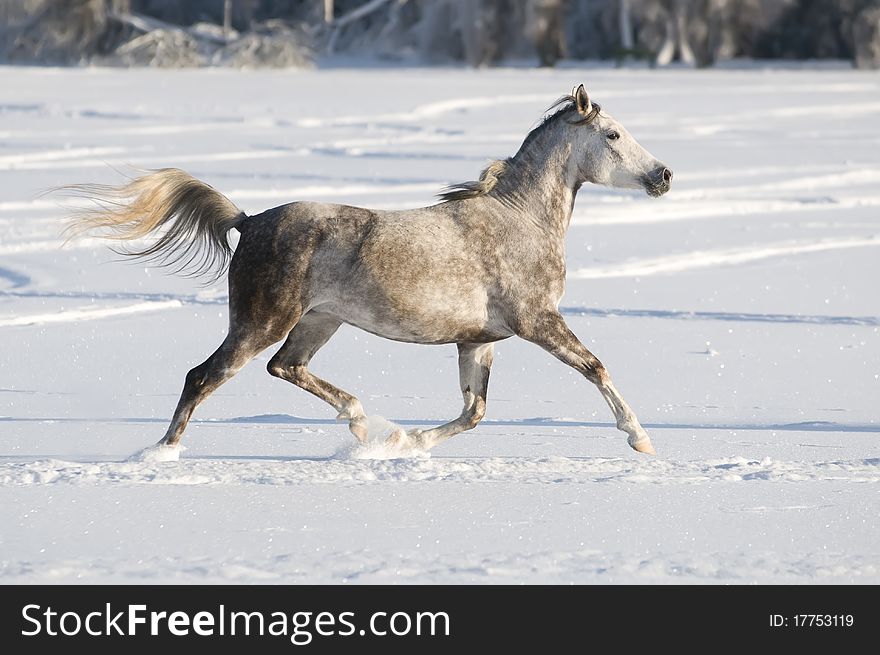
(643, 445)
(359, 429)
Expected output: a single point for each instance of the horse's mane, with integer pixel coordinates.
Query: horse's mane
(496, 169)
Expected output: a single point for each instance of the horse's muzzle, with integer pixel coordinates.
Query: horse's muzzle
(658, 181)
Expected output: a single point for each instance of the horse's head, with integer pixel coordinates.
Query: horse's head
(609, 155)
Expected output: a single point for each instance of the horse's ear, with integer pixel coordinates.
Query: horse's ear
(582, 100)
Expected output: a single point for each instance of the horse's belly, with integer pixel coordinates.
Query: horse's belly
(430, 325)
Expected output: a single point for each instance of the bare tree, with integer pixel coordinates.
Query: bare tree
(478, 20)
(227, 17)
(479, 32)
(866, 38)
(676, 41)
(625, 22)
(546, 23)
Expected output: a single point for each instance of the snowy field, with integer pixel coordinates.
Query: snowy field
(739, 315)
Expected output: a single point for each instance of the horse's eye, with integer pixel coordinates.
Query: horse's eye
(613, 136)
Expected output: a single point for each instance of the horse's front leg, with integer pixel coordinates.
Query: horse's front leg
(474, 364)
(551, 333)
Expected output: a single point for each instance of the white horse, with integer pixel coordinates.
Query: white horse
(485, 264)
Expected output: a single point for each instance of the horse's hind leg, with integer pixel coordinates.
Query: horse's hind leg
(551, 333)
(291, 363)
(474, 365)
(237, 349)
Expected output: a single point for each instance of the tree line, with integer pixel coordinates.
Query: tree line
(475, 32)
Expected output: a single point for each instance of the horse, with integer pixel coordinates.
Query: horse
(486, 263)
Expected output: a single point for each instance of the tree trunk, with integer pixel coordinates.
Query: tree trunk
(227, 17)
(676, 41)
(473, 34)
(667, 50)
(866, 38)
(434, 28)
(685, 53)
(546, 20)
(626, 30)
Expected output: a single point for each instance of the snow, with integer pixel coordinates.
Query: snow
(158, 453)
(738, 315)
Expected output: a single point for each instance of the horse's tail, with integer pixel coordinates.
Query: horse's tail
(193, 219)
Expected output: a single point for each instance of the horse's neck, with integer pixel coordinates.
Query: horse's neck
(545, 189)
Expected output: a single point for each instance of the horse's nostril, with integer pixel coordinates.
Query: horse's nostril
(667, 175)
